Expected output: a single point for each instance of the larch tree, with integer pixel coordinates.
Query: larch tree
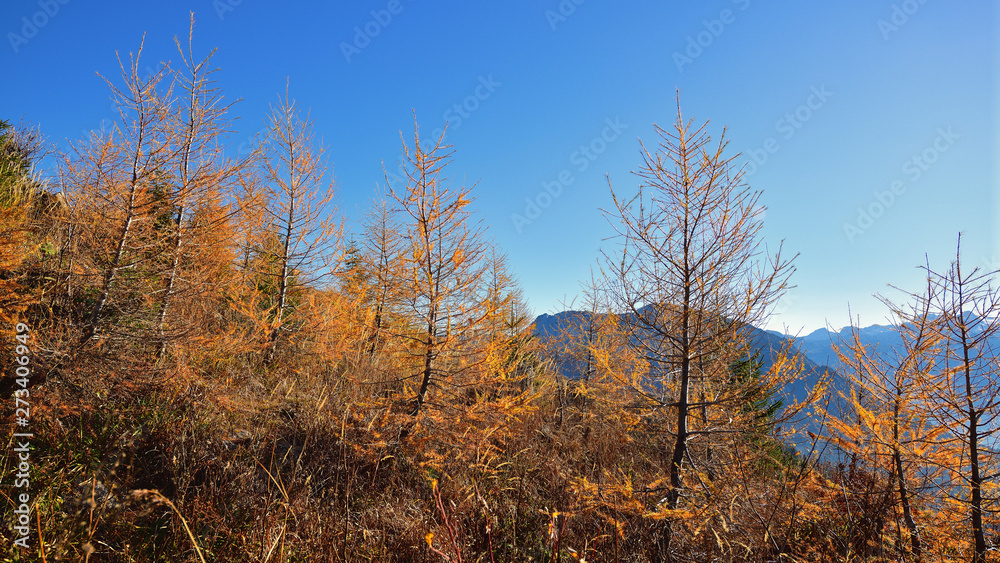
(297, 246)
(201, 182)
(446, 267)
(582, 335)
(963, 393)
(690, 274)
(114, 185)
(382, 263)
(505, 338)
(19, 149)
(882, 422)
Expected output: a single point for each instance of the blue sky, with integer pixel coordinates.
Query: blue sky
(870, 125)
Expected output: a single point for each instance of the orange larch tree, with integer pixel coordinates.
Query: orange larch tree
(881, 422)
(296, 245)
(201, 183)
(18, 150)
(506, 339)
(382, 263)
(963, 393)
(114, 185)
(689, 273)
(446, 267)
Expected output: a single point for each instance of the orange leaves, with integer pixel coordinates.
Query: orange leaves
(913, 415)
(447, 299)
(13, 252)
(289, 232)
(688, 276)
(664, 513)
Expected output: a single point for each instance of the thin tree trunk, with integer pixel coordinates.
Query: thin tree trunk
(377, 325)
(680, 443)
(904, 495)
(111, 274)
(428, 365)
(976, 479)
(283, 281)
(161, 318)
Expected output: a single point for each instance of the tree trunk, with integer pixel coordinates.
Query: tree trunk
(282, 281)
(904, 501)
(976, 478)
(428, 370)
(111, 274)
(168, 291)
(680, 443)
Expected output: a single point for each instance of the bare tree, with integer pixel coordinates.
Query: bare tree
(690, 274)
(963, 394)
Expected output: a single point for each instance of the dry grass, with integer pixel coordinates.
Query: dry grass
(238, 462)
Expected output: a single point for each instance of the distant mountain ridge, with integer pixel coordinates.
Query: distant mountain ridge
(768, 343)
(816, 350)
(817, 347)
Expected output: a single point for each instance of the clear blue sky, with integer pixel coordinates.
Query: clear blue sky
(838, 96)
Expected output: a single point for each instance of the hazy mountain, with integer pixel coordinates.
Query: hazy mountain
(816, 349)
(818, 345)
(886, 341)
(768, 343)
